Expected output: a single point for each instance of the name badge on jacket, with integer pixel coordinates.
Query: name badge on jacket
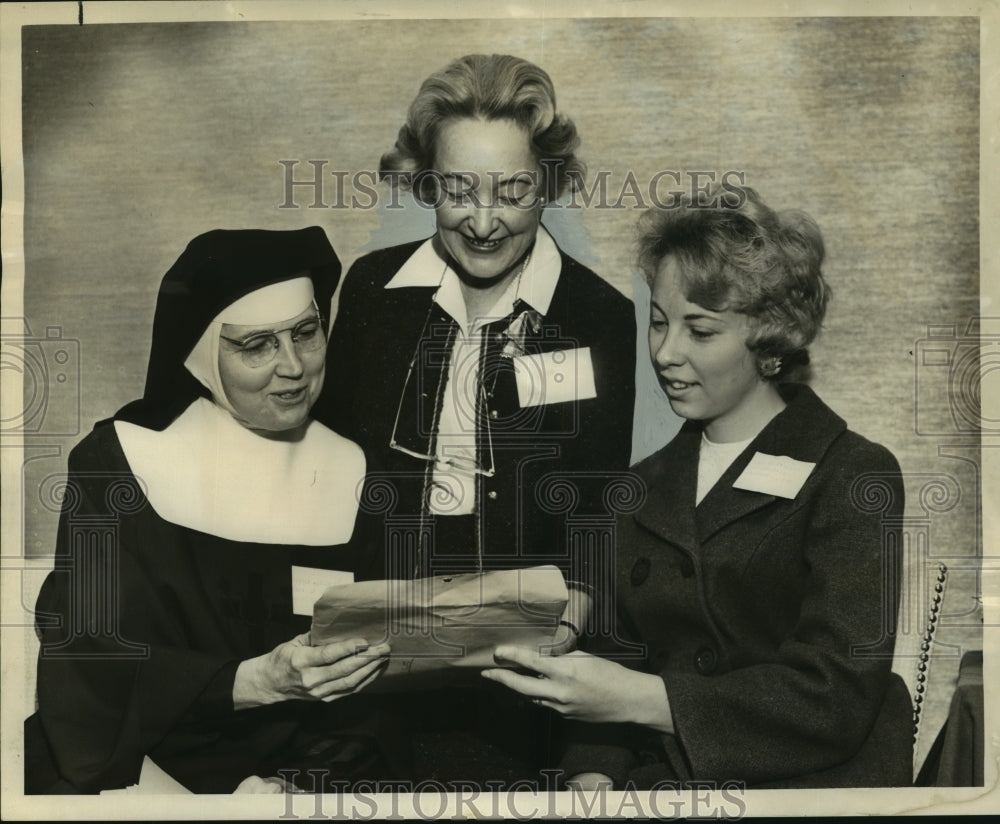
(776, 475)
(555, 377)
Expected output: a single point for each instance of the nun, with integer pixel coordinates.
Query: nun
(196, 523)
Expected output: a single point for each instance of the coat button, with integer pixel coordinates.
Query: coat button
(494, 414)
(640, 571)
(705, 660)
(492, 494)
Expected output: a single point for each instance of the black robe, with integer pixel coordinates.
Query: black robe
(143, 624)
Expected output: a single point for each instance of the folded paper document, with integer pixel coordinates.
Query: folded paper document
(444, 625)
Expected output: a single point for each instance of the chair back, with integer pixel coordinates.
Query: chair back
(920, 605)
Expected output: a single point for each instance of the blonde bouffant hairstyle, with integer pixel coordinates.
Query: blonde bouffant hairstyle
(745, 257)
(487, 87)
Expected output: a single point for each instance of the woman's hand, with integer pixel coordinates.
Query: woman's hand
(590, 781)
(586, 688)
(571, 623)
(265, 786)
(296, 670)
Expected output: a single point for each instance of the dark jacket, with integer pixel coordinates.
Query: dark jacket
(521, 513)
(769, 619)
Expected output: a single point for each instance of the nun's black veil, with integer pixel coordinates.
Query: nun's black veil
(215, 270)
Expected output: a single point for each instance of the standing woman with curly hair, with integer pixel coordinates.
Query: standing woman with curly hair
(478, 366)
(761, 589)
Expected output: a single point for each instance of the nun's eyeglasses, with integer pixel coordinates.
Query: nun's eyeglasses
(260, 348)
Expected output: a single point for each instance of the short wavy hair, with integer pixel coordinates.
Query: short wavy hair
(489, 87)
(746, 258)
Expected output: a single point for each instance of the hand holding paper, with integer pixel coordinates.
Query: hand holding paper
(571, 623)
(443, 626)
(296, 670)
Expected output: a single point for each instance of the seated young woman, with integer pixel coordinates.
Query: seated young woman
(756, 579)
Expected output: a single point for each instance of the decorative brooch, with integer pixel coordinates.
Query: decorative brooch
(528, 322)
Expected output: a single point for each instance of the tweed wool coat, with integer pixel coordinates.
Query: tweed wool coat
(769, 618)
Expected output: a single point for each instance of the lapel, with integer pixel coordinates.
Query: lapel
(671, 477)
(560, 313)
(542, 332)
(723, 504)
(509, 337)
(423, 392)
(804, 430)
(422, 334)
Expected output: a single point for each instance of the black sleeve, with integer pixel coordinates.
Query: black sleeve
(115, 673)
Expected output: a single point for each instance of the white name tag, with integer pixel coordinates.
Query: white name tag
(774, 475)
(555, 377)
(308, 584)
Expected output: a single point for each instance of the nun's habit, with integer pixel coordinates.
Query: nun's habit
(179, 534)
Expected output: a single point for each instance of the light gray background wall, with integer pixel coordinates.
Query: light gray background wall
(138, 137)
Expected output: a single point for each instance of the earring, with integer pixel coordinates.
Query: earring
(769, 367)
